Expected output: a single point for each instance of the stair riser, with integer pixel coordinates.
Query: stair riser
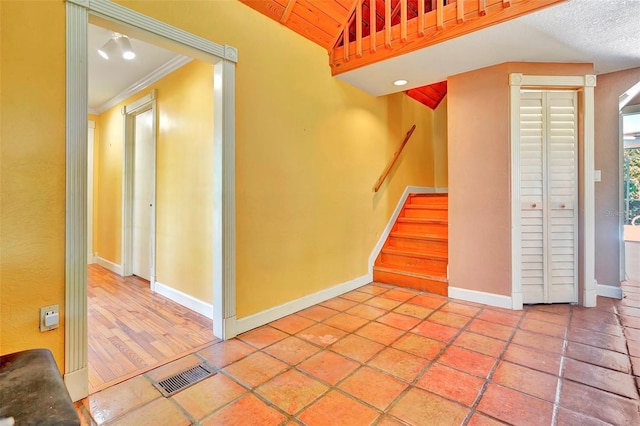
(426, 214)
(436, 268)
(439, 248)
(433, 229)
(411, 282)
(430, 200)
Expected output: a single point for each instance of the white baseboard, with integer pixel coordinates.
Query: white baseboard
(392, 220)
(113, 267)
(609, 291)
(481, 297)
(264, 317)
(77, 383)
(184, 299)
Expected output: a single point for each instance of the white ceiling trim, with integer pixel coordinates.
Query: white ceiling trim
(143, 83)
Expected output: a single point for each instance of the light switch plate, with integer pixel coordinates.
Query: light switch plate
(597, 175)
(52, 312)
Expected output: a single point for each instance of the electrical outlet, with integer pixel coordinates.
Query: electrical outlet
(49, 318)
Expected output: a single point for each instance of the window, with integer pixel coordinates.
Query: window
(631, 170)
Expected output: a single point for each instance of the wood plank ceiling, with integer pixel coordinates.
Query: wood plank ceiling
(361, 32)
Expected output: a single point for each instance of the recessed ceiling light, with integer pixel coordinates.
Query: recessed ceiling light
(400, 82)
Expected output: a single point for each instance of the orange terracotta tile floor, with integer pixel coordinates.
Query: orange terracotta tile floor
(389, 356)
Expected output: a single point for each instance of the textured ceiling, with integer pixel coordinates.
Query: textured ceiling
(603, 32)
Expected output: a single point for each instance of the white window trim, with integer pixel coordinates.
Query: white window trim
(224, 59)
(586, 85)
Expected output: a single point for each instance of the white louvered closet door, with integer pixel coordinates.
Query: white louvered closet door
(549, 196)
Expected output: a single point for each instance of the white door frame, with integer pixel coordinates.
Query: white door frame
(223, 58)
(129, 113)
(585, 84)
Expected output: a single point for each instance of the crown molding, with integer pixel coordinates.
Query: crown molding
(146, 81)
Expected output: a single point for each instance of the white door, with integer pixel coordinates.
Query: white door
(549, 196)
(143, 175)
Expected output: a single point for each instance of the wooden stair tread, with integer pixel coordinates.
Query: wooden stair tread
(413, 253)
(426, 237)
(395, 270)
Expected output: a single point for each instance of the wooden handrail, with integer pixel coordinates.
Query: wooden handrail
(386, 171)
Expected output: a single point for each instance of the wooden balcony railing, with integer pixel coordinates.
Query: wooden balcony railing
(395, 27)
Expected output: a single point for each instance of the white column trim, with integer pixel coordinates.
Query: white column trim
(516, 252)
(224, 204)
(586, 83)
(76, 164)
(76, 375)
(588, 162)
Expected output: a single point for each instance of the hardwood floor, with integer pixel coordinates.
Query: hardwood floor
(133, 330)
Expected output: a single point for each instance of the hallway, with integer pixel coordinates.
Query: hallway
(388, 356)
(132, 330)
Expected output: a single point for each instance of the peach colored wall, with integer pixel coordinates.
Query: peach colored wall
(607, 159)
(479, 203)
(480, 173)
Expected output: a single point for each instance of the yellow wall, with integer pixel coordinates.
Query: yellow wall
(108, 180)
(184, 180)
(32, 105)
(96, 170)
(309, 149)
(440, 146)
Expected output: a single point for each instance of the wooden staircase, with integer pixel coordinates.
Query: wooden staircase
(416, 252)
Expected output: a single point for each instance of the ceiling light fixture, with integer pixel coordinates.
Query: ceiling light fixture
(117, 42)
(400, 82)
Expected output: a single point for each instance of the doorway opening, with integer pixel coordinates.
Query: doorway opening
(142, 314)
(630, 147)
(223, 58)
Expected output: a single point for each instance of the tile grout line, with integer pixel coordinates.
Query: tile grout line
(476, 402)
(565, 344)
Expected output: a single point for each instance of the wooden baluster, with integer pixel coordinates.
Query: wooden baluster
(439, 14)
(359, 29)
(373, 21)
(482, 7)
(403, 20)
(421, 18)
(287, 11)
(387, 23)
(460, 11)
(345, 44)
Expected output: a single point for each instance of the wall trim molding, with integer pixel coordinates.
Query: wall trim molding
(240, 325)
(491, 299)
(146, 81)
(107, 264)
(184, 299)
(77, 384)
(392, 220)
(611, 291)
